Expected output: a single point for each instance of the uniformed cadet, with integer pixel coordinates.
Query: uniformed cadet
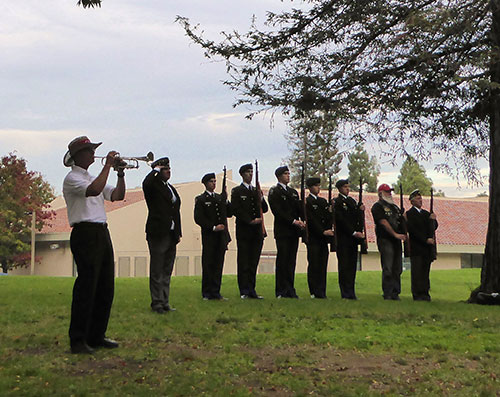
(421, 229)
(387, 219)
(349, 235)
(210, 213)
(319, 228)
(286, 207)
(246, 204)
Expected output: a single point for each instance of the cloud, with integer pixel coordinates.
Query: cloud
(35, 143)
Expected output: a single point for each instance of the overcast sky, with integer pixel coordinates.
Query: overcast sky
(126, 75)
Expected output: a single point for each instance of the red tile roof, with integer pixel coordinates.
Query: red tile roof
(461, 221)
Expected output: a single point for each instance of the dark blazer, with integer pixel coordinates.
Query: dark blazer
(319, 219)
(347, 217)
(420, 228)
(286, 207)
(161, 209)
(245, 207)
(211, 211)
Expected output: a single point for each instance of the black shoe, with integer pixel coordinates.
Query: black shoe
(105, 342)
(256, 297)
(244, 296)
(81, 348)
(159, 310)
(169, 308)
(396, 298)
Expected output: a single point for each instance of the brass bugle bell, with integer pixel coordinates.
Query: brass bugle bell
(129, 162)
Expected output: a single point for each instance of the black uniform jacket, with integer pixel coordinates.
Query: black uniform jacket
(347, 217)
(319, 219)
(286, 207)
(161, 209)
(245, 206)
(420, 228)
(211, 211)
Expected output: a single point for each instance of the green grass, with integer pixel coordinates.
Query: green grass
(269, 347)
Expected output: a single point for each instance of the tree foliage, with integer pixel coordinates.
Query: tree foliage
(413, 176)
(410, 74)
(361, 165)
(89, 3)
(311, 140)
(21, 192)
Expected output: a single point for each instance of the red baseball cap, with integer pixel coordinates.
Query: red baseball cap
(385, 188)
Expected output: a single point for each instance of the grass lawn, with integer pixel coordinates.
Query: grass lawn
(247, 347)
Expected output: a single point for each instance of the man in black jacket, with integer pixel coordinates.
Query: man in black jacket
(421, 228)
(319, 227)
(349, 235)
(388, 229)
(246, 203)
(163, 232)
(211, 211)
(286, 207)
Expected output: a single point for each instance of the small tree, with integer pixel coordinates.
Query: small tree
(312, 139)
(362, 165)
(413, 176)
(21, 193)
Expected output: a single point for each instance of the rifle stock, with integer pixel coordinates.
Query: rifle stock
(305, 237)
(333, 240)
(260, 195)
(404, 227)
(433, 226)
(364, 244)
(224, 205)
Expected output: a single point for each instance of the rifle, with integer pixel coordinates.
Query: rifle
(433, 226)
(333, 240)
(259, 196)
(224, 205)
(406, 243)
(305, 237)
(363, 245)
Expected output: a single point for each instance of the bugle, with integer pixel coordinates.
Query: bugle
(128, 162)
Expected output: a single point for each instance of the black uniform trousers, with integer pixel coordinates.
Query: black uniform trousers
(286, 261)
(162, 250)
(347, 257)
(249, 251)
(94, 286)
(392, 266)
(214, 245)
(317, 259)
(420, 284)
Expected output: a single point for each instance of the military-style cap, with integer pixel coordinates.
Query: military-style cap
(245, 167)
(341, 182)
(163, 162)
(312, 181)
(207, 177)
(415, 193)
(77, 144)
(384, 187)
(281, 170)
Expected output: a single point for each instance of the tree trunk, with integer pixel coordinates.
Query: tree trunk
(490, 271)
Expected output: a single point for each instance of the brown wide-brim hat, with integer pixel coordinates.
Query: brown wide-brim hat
(76, 145)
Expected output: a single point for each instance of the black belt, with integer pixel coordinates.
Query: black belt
(91, 224)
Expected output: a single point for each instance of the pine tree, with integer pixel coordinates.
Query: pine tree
(362, 165)
(413, 176)
(311, 138)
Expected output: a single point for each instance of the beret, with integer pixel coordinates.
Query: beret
(207, 177)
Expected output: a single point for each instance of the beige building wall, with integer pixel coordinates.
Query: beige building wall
(127, 226)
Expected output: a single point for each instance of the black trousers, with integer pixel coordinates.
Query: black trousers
(286, 260)
(94, 286)
(214, 247)
(420, 284)
(347, 257)
(162, 251)
(248, 260)
(392, 266)
(317, 259)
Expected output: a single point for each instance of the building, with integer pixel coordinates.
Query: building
(461, 237)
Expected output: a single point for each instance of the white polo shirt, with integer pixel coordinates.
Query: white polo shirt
(82, 208)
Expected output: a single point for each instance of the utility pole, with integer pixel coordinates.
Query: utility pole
(33, 220)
